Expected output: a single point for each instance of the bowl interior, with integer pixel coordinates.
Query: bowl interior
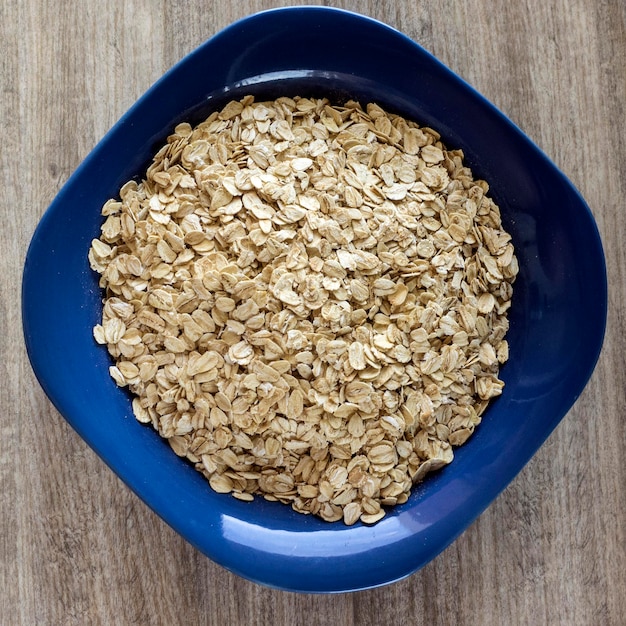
(557, 317)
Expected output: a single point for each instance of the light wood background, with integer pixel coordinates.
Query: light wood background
(76, 547)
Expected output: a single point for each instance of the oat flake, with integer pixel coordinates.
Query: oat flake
(308, 301)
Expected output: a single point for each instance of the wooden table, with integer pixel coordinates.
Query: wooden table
(77, 547)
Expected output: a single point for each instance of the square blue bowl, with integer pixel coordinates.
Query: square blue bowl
(557, 318)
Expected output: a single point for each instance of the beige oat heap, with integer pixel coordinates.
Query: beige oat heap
(308, 301)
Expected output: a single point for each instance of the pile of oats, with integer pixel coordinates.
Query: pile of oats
(307, 301)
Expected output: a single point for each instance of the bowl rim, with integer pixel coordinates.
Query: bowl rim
(312, 580)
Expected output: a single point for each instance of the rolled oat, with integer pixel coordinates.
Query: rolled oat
(307, 301)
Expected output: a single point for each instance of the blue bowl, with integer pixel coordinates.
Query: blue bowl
(557, 317)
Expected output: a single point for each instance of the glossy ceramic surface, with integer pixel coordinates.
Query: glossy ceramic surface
(557, 318)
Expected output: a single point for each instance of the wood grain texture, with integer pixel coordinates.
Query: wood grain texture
(76, 547)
